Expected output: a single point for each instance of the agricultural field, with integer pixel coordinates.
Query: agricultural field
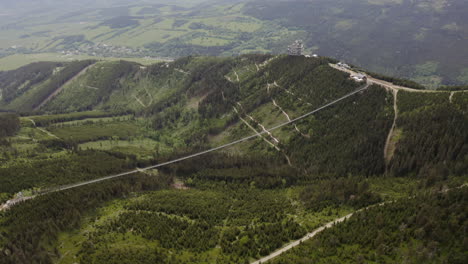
(136, 32)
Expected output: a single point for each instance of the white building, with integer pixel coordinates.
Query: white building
(359, 77)
(343, 65)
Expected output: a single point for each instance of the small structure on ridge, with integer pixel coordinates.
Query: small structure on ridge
(359, 77)
(296, 48)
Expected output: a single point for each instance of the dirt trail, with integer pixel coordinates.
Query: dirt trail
(23, 137)
(191, 156)
(389, 143)
(265, 63)
(32, 121)
(298, 242)
(42, 130)
(139, 101)
(237, 76)
(150, 96)
(329, 225)
(281, 109)
(48, 133)
(256, 132)
(58, 90)
(260, 125)
(264, 131)
(182, 71)
(178, 184)
(287, 117)
(291, 93)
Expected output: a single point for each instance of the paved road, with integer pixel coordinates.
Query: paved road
(372, 80)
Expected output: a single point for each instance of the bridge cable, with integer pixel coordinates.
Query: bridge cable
(67, 187)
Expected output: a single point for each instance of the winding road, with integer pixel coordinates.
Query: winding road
(372, 80)
(389, 148)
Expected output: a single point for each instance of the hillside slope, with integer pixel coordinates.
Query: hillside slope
(237, 204)
(207, 100)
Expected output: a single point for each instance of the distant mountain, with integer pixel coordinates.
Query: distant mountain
(423, 40)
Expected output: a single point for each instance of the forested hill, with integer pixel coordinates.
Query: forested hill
(212, 94)
(238, 204)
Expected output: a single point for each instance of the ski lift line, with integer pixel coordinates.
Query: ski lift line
(209, 150)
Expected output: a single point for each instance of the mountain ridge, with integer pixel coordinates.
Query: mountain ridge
(242, 202)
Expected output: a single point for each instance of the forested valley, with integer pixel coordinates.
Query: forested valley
(239, 203)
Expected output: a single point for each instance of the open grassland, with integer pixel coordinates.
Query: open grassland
(95, 131)
(142, 148)
(42, 120)
(162, 31)
(94, 120)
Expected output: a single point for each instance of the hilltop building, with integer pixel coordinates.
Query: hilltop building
(359, 77)
(343, 65)
(296, 48)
